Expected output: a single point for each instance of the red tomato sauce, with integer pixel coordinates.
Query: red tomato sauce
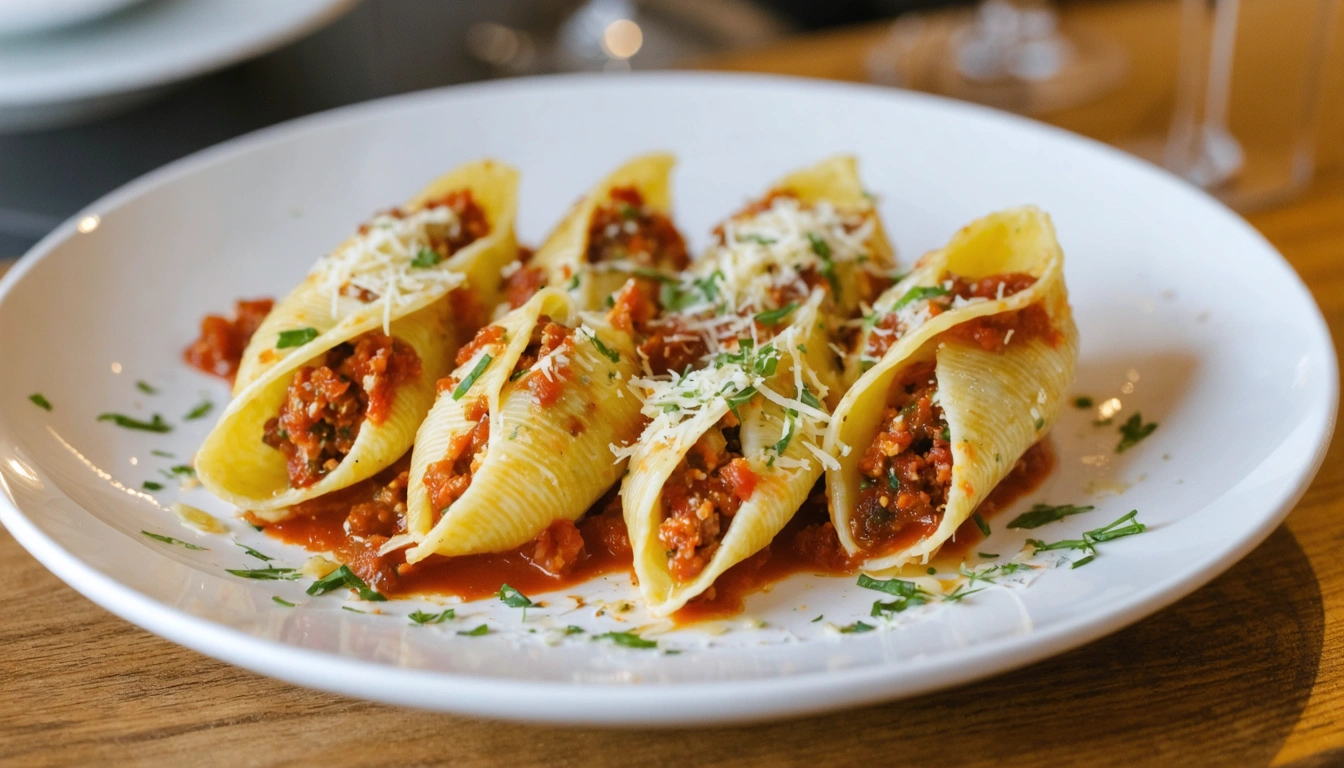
(219, 348)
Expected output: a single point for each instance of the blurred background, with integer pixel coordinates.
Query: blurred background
(1242, 97)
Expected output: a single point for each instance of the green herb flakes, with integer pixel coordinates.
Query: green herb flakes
(475, 374)
(423, 617)
(40, 401)
(1132, 431)
(344, 577)
(627, 639)
(171, 540)
(425, 258)
(295, 338)
(155, 424)
(1041, 514)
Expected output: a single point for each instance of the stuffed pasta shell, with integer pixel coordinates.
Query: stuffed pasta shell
(961, 369)
(519, 437)
(740, 378)
(622, 227)
(336, 379)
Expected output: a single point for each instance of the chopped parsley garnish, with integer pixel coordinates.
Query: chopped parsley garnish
(573, 630)
(783, 444)
(471, 377)
(606, 351)
(1082, 402)
(513, 598)
(573, 283)
(653, 274)
(254, 553)
(1040, 514)
(980, 523)
(295, 338)
(773, 316)
(1132, 431)
(201, 409)
(827, 270)
(1125, 526)
(40, 401)
(425, 258)
(518, 374)
(627, 639)
(344, 577)
(184, 470)
(989, 555)
(741, 397)
(856, 628)
(946, 433)
(674, 298)
(919, 293)
(820, 616)
(808, 398)
(899, 605)
(352, 610)
(145, 387)
(171, 540)
(269, 573)
(422, 617)
(961, 593)
(1080, 562)
(150, 485)
(480, 631)
(897, 587)
(281, 601)
(155, 424)
(162, 454)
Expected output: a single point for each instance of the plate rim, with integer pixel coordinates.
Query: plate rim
(64, 88)
(680, 704)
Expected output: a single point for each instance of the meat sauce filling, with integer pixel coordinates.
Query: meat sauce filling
(219, 348)
(623, 228)
(907, 468)
(701, 497)
(450, 477)
(326, 405)
(992, 333)
(446, 239)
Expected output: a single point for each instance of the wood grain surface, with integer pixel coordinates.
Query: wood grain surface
(1247, 671)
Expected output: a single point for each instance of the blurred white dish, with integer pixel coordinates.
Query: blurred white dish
(22, 17)
(66, 75)
(1186, 314)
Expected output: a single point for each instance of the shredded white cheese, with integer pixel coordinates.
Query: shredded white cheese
(380, 261)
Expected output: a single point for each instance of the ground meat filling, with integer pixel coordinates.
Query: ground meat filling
(447, 479)
(219, 349)
(701, 497)
(446, 239)
(992, 333)
(546, 382)
(623, 228)
(326, 405)
(524, 281)
(556, 549)
(907, 468)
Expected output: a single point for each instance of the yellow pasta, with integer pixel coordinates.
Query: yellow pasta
(996, 402)
(750, 420)
(542, 462)
(387, 287)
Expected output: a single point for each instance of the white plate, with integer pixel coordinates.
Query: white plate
(1186, 314)
(75, 73)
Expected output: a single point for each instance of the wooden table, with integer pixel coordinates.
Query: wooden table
(1247, 671)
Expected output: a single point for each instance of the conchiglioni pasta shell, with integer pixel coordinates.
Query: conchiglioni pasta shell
(778, 495)
(236, 466)
(564, 253)
(535, 469)
(836, 180)
(997, 404)
(494, 187)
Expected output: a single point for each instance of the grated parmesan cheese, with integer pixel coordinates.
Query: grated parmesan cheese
(379, 261)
